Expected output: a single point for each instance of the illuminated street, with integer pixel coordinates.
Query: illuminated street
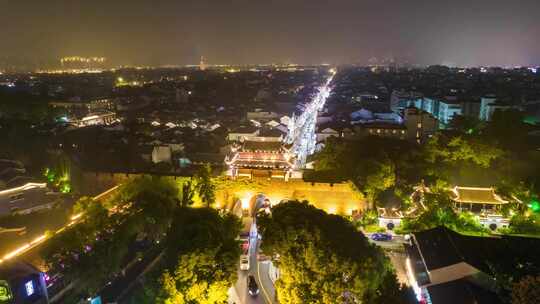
(259, 269)
(15, 244)
(302, 131)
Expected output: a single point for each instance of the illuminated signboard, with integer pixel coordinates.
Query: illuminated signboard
(5, 292)
(29, 287)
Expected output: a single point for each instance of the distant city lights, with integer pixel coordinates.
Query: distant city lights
(82, 59)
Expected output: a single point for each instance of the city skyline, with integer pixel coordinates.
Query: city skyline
(482, 33)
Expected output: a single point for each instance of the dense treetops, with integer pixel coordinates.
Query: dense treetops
(199, 244)
(495, 154)
(97, 247)
(324, 259)
(202, 254)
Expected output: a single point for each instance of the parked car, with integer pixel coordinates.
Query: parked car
(381, 237)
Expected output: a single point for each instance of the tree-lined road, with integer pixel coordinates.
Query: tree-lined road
(258, 269)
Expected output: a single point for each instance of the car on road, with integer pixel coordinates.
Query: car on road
(244, 262)
(381, 237)
(253, 288)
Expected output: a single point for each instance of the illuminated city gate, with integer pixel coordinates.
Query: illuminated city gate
(338, 198)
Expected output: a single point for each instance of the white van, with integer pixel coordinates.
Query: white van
(244, 262)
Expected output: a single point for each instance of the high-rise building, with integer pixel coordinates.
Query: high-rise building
(489, 104)
(485, 102)
(447, 110)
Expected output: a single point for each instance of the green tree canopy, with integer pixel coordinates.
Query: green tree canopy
(440, 213)
(202, 255)
(376, 176)
(322, 257)
(95, 249)
(465, 124)
(151, 200)
(197, 278)
(373, 163)
(508, 130)
(205, 185)
(188, 192)
(526, 291)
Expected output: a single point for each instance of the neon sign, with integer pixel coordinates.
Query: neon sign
(29, 287)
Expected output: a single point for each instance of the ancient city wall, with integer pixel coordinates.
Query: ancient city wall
(339, 198)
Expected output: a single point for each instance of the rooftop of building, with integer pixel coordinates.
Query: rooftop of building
(261, 164)
(269, 146)
(412, 110)
(382, 125)
(476, 195)
(270, 132)
(442, 247)
(461, 291)
(245, 129)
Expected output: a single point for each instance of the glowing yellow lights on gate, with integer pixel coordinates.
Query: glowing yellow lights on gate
(245, 203)
(332, 210)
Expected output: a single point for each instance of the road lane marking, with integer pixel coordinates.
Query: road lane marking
(262, 285)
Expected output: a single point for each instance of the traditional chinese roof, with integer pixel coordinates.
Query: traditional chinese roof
(270, 133)
(245, 130)
(383, 125)
(259, 160)
(477, 195)
(262, 146)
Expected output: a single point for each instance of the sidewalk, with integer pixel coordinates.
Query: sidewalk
(233, 296)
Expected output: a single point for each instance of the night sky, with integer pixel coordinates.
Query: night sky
(458, 32)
